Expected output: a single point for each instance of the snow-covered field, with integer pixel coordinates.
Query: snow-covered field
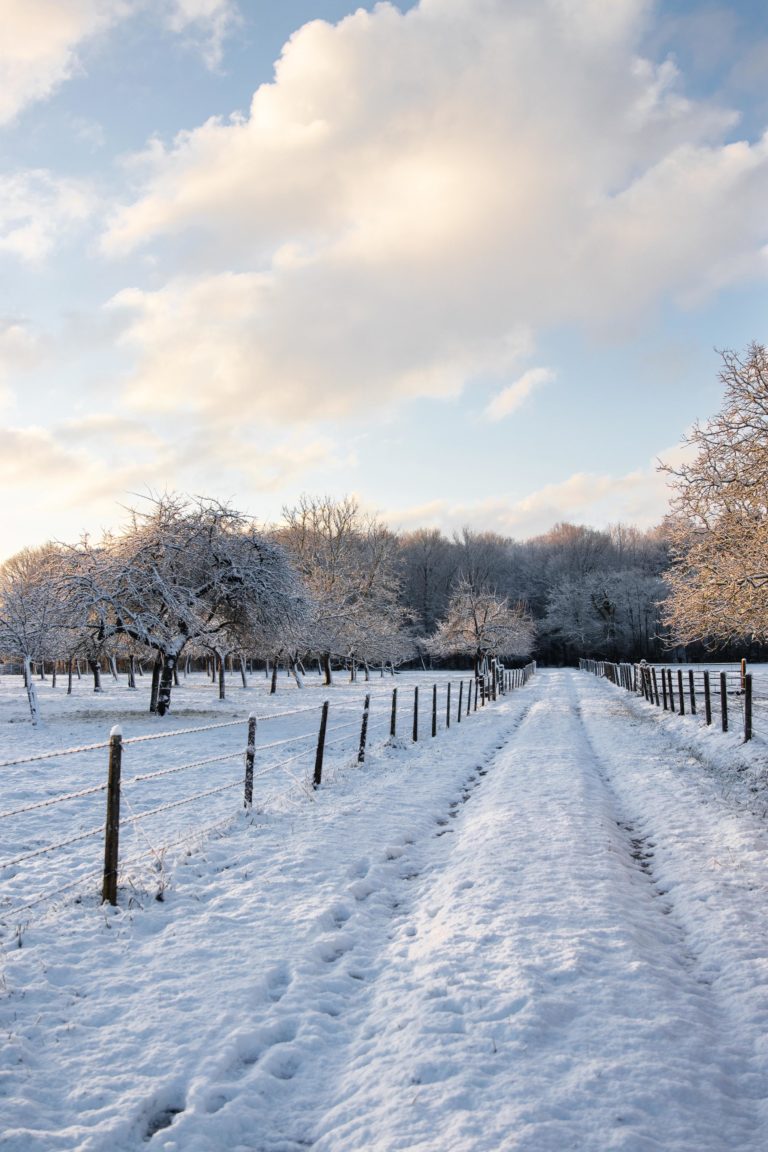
(546, 929)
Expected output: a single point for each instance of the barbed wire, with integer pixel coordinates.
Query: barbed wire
(180, 803)
(184, 767)
(53, 847)
(53, 755)
(54, 800)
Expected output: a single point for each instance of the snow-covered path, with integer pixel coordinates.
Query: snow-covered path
(544, 931)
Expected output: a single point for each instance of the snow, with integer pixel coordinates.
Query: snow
(543, 930)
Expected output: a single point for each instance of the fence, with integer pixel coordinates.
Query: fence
(724, 697)
(58, 842)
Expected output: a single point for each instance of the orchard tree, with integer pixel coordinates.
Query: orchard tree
(479, 624)
(30, 611)
(718, 524)
(348, 561)
(186, 572)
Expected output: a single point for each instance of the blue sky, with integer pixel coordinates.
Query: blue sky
(468, 260)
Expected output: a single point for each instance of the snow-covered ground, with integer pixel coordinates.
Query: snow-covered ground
(546, 929)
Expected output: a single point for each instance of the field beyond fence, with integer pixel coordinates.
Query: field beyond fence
(730, 698)
(169, 789)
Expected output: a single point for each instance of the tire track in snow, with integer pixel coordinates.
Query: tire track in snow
(537, 999)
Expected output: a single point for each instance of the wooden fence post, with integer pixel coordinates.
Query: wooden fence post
(655, 686)
(250, 756)
(671, 690)
(434, 709)
(461, 693)
(664, 687)
(692, 691)
(723, 701)
(707, 699)
(112, 829)
(416, 714)
(469, 694)
(318, 776)
(680, 691)
(747, 706)
(393, 717)
(364, 730)
(448, 706)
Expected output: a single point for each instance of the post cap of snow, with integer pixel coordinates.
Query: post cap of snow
(116, 731)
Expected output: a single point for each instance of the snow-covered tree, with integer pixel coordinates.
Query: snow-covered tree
(348, 561)
(188, 571)
(30, 611)
(719, 514)
(480, 624)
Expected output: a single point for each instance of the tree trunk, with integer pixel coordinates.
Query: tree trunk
(113, 666)
(131, 671)
(327, 670)
(70, 662)
(53, 674)
(243, 675)
(95, 668)
(222, 685)
(166, 682)
(155, 686)
(273, 686)
(31, 693)
(294, 669)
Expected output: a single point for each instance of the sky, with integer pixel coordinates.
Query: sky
(469, 261)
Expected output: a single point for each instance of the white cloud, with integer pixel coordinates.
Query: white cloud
(639, 497)
(41, 39)
(211, 20)
(37, 208)
(417, 192)
(38, 47)
(512, 397)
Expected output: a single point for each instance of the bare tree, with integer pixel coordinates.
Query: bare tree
(479, 624)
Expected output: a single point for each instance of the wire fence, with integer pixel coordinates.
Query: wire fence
(167, 789)
(729, 698)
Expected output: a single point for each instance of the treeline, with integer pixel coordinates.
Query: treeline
(589, 592)
(195, 579)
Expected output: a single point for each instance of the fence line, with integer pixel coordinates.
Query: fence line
(679, 690)
(379, 722)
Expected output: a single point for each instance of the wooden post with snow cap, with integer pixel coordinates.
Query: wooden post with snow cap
(743, 674)
(723, 701)
(112, 829)
(448, 706)
(250, 756)
(461, 693)
(680, 691)
(434, 709)
(393, 717)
